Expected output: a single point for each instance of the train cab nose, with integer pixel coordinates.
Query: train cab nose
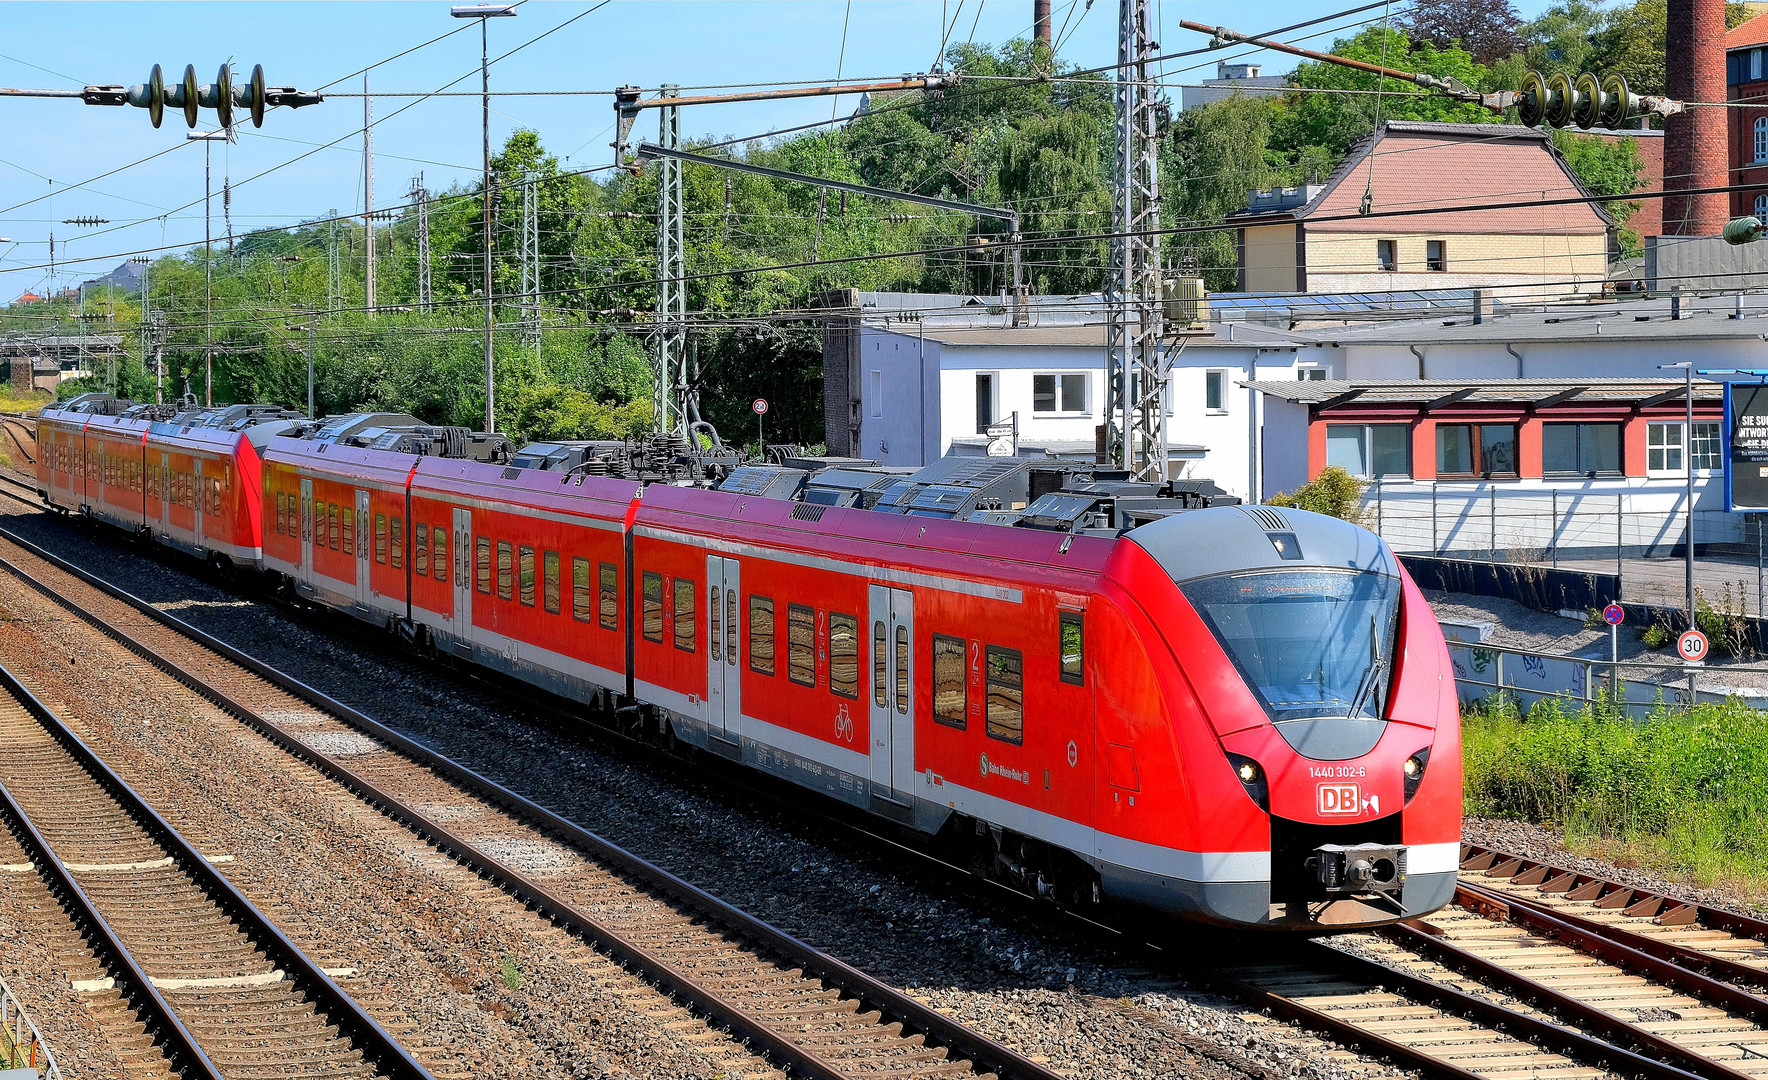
(1307, 612)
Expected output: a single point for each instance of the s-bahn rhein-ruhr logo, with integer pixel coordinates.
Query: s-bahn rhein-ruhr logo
(994, 768)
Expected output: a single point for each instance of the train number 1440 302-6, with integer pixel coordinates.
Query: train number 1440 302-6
(1336, 772)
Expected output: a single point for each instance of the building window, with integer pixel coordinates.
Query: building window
(1663, 447)
(1059, 393)
(1476, 450)
(1435, 258)
(1310, 374)
(1385, 255)
(1370, 450)
(1761, 209)
(986, 407)
(1215, 391)
(1755, 64)
(1580, 449)
(1761, 139)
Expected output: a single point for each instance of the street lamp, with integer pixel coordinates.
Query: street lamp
(207, 137)
(1688, 477)
(483, 12)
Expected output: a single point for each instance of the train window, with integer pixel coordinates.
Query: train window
(880, 662)
(685, 592)
(549, 573)
(844, 656)
(439, 555)
(715, 624)
(761, 635)
(215, 496)
(1071, 646)
(282, 511)
(396, 541)
(349, 531)
(380, 539)
(331, 526)
(506, 570)
(801, 644)
(1005, 694)
(610, 596)
(730, 626)
(482, 561)
(525, 575)
(902, 669)
(582, 591)
(420, 548)
(652, 616)
(951, 689)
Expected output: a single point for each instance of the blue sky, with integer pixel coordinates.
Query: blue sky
(314, 44)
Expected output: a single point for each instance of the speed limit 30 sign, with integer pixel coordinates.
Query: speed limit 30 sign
(1693, 646)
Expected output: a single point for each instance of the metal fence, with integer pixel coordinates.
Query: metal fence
(1483, 671)
(21, 1045)
(1637, 533)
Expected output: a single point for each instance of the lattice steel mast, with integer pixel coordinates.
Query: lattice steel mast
(531, 265)
(1135, 413)
(420, 202)
(671, 267)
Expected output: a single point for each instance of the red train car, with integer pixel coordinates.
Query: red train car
(190, 477)
(1239, 715)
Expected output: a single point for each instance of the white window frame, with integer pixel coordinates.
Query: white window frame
(1086, 408)
(1220, 409)
(1310, 373)
(1755, 63)
(1659, 447)
(1761, 134)
(1368, 450)
(1761, 209)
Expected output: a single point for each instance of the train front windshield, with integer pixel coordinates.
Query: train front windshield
(1310, 643)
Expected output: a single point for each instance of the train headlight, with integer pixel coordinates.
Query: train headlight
(1413, 770)
(1252, 778)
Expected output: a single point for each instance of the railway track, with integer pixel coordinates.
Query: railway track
(214, 984)
(12, 426)
(1513, 981)
(806, 1011)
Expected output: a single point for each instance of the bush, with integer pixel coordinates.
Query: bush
(1656, 636)
(1334, 493)
(1682, 792)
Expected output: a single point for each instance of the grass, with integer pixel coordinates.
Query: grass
(29, 403)
(512, 976)
(1682, 793)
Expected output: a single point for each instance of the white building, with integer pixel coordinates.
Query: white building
(1232, 79)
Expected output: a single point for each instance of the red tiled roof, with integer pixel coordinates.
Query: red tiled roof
(1425, 166)
(1744, 35)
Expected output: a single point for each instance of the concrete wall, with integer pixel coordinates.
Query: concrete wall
(1012, 369)
(899, 402)
(1621, 358)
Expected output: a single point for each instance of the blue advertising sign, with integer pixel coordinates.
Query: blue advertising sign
(1746, 447)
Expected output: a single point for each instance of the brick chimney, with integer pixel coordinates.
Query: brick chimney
(1040, 21)
(1694, 141)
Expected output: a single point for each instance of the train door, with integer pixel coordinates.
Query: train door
(306, 529)
(724, 683)
(892, 617)
(364, 547)
(164, 487)
(463, 573)
(201, 501)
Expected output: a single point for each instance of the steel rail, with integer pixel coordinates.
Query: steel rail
(1602, 892)
(985, 1054)
(151, 1007)
(1677, 965)
(377, 1046)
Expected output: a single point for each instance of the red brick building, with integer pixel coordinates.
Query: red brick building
(1746, 79)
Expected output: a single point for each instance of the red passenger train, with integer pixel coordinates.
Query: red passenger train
(1243, 715)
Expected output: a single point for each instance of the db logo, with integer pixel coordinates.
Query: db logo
(1340, 800)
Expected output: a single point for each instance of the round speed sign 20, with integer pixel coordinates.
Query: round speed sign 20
(1693, 646)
